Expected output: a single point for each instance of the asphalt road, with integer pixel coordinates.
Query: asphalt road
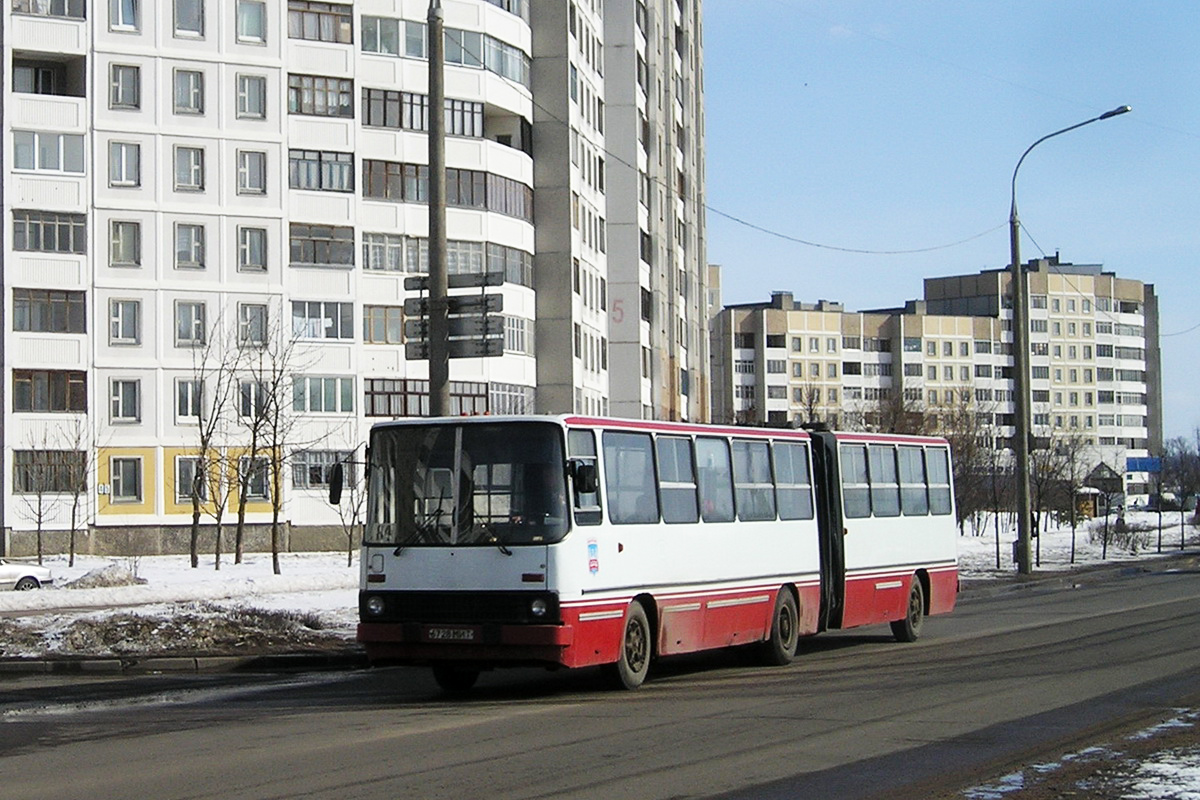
(1007, 677)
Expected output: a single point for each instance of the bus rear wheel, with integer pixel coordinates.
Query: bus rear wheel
(908, 629)
(453, 678)
(780, 647)
(629, 672)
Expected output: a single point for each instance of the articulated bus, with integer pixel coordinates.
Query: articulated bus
(573, 541)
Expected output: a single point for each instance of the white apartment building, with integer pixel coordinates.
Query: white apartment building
(189, 180)
(1095, 360)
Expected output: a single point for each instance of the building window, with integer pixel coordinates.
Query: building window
(409, 183)
(255, 476)
(383, 252)
(383, 324)
(251, 97)
(252, 399)
(49, 311)
(310, 468)
(125, 474)
(49, 390)
(251, 21)
(189, 246)
(320, 22)
(323, 395)
(190, 328)
(49, 232)
(44, 151)
(123, 15)
(124, 164)
(252, 172)
(125, 243)
(518, 335)
(252, 249)
(383, 108)
(125, 322)
(318, 319)
(189, 396)
(39, 77)
(189, 91)
(321, 170)
(322, 245)
(252, 324)
(125, 86)
(189, 477)
(49, 471)
(189, 18)
(126, 400)
(320, 96)
(189, 169)
(69, 9)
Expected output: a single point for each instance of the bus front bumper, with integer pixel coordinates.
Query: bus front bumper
(414, 642)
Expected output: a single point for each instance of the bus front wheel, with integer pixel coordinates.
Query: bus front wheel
(631, 667)
(908, 629)
(780, 647)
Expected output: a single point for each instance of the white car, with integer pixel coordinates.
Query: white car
(23, 577)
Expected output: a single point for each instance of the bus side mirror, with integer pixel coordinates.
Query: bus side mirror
(584, 474)
(336, 478)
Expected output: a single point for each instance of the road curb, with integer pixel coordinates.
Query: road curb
(351, 658)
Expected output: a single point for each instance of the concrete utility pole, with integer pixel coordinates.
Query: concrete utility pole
(439, 325)
(1021, 378)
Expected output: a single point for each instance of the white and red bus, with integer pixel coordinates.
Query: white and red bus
(574, 541)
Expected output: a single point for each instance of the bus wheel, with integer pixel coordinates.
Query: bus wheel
(908, 629)
(780, 648)
(454, 679)
(630, 670)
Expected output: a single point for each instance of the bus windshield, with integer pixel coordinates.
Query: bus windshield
(444, 485)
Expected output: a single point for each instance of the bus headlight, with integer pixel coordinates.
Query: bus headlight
(538, 607)
(375, 605)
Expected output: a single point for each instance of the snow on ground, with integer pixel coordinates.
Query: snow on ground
(160, 604)
(313, 602)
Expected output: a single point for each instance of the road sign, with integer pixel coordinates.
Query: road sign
(471, 327)
(457, 281)
(459, 348)
(457, 304)
(1134, 464)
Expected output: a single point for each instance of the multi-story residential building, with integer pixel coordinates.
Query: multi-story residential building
(200, 194)
(1094, 370)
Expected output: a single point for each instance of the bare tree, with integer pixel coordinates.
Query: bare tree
(958, 420)
(353, 503)
(40, 480)
(77, 441)
(208, 391)
(897, 409)
(1076, 459)
(1181, 472)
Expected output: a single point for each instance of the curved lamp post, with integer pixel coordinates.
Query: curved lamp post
(1021, 378)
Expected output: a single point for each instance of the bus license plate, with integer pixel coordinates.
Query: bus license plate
(451, 635)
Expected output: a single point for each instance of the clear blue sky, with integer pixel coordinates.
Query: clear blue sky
(887, 126)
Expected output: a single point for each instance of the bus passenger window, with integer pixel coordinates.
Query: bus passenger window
(937, 467)
(913, 499)
(752, 479)
(715, 479)
(629, 478)
(793, 486)
(581, 447)
(677, 479)
(856, 491)
(885, 488)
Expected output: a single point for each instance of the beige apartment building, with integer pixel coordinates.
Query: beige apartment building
(1095, 360)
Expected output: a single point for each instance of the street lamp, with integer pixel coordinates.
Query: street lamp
(1021, 378)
